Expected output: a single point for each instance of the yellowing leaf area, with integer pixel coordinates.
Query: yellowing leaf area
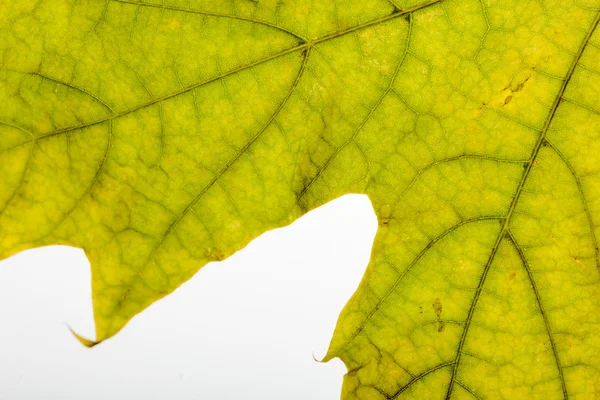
(162, 135)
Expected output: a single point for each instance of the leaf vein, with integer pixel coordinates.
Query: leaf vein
(308, 186)
(212, 14)
(410, 266)
(241, 152)
(538, 298)
(469, 390)
(505, 229)
(300, 47)
(584, 201)
(419, 377)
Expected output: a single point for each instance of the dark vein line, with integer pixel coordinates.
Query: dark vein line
(409, 267)
(538, 298)
(419, 377)
(69, 85)
(21, 179)
(161, 137)
(300, 47)
(27, 162)
(589, 69)
(588, 108)
(484, 359)
(212, 14)
(34, 139)
(304, 46)
(390, 17)
(102, 16)
(18, 128)
(367, 118)
(468, 390)
(381, 391)
(434, 164)
(164, 98)
(514, 202)
(393, 3)
(95, 180)
(200, 195)
(160, 116)
(411, 184)
(583, 199)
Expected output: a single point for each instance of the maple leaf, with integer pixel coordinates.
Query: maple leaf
(160, 136)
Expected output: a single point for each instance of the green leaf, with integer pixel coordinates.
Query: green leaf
(161, 135)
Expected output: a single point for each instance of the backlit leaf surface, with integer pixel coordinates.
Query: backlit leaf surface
(161, 135)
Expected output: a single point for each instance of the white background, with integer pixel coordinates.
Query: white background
(245, 328)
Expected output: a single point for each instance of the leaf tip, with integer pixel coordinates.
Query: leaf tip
(84, 341)
(317, 360)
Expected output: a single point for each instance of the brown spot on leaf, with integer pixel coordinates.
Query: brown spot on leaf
(519, 86)
(437, 307)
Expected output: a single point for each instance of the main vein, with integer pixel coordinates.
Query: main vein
(305, 46)
(505, 227)
(301, 47)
